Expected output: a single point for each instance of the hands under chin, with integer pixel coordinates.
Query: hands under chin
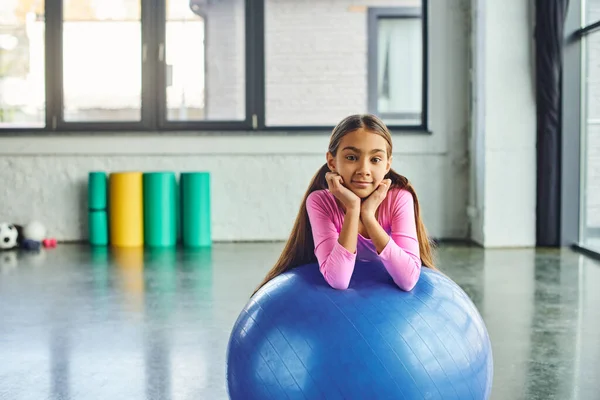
(370, 204)
(335, 184)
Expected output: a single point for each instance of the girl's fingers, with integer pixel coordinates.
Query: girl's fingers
(384, 186)
(336, 182)
(329, 180)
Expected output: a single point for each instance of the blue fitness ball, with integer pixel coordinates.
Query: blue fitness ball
(298, 338)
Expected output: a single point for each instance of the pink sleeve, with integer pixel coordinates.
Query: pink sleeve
(336, 263)
(401, 255)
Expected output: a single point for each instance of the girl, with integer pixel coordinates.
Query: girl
(358, 207)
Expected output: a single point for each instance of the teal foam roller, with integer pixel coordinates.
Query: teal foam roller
(178, 210)
(160, 215)
(98, 227)
(195, 209)
(97, 190)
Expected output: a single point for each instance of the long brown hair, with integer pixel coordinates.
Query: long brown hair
(299, 249)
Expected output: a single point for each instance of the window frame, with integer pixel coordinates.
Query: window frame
(574, 119)
(153, 93)
(252, 11)
(54, 43)
(374, 15)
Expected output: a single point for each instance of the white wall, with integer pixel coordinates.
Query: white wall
(503, 137)
(258, 181)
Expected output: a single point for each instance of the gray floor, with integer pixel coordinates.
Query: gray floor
(83, 324)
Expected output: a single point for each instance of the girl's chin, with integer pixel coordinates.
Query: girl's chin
(362, 193)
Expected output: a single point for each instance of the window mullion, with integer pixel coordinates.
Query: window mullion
(425, 64)
(53, 64)
(152, 36)
(255, 71)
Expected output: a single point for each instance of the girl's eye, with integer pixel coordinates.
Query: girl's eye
(351, 158)
(376, 160)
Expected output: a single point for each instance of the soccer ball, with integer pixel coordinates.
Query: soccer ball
(9, 236)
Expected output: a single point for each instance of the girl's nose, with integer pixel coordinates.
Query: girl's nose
(363, 169)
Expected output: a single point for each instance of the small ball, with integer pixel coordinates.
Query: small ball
(8, 236)
(34, 230)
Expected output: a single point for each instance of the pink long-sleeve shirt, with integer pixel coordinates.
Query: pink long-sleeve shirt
(400, 256)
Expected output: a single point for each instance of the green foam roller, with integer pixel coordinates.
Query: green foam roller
(97, 190)
(195, 209)
(178, 210)
(98, 227)
(160, 203)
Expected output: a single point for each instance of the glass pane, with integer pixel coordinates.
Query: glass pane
(317, 66)
(205, 60)
(592, 12)
(400, 70)
(590, 173)
(22, 58)
(102, 72)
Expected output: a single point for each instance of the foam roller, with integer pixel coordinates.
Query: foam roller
(126, 209)
(98, 227)
(97, 198)
(178, 210)
(160, 201)
(195, 209)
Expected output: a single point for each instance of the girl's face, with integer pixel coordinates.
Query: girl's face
(362, 161)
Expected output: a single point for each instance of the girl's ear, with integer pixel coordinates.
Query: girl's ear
(389, 164)
(330, 161)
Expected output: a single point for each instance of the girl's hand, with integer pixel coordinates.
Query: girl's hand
(369, 206)
(342, 193)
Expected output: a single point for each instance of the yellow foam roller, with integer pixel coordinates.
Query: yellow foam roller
(126, 209)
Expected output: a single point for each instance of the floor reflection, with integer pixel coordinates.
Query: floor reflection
(80, 322)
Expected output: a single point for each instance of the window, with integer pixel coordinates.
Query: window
(590, 137)
(101, 59)
(22, 60)
(397, 77)
(208, 65)
(325, 60)
(205, 60)
(580, 142)
(185, 65)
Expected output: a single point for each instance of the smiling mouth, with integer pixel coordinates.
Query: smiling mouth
(361, 184)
